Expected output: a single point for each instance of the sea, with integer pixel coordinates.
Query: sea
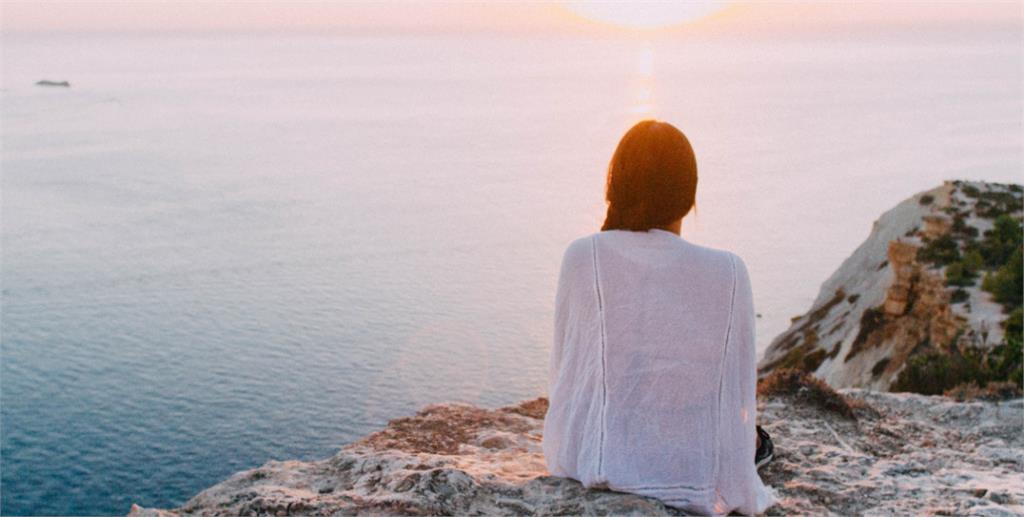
(225, 248)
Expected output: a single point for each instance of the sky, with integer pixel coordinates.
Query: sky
(571, 16)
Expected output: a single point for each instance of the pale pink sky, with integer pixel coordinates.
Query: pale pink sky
(146, 15)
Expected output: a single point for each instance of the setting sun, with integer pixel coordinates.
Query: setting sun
(644, 15)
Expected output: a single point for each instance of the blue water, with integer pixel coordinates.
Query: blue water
(221, 249)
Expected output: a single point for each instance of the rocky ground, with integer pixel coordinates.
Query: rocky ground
(898, 454)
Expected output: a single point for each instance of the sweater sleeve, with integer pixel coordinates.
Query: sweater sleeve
(561, 314)
(556, 436)
(738, 484)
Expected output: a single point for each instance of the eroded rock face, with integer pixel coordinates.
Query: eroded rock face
(911, 455)
(902, 258)
(915, 315)
(884, 304)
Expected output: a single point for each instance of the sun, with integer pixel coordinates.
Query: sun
(644, 14)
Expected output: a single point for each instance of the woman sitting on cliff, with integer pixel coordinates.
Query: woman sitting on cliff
(652, 373)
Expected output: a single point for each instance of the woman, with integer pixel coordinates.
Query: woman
(652, 373)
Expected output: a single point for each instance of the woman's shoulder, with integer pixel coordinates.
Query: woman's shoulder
(733, 260)
(737, 268)
(577, 252)
(731, 265)
(581, 247)
(580, 242)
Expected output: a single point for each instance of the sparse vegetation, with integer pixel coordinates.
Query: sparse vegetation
(1010, 355)
(1013, 324)
(806, 388)
(997, 255)
(968, 258)
(936, 371)
(993, 391)
(817, 314)
(835, 328)
(813, 360)
(880, 367)
(973, 261)
(961, 229)
(960, 295)
(1007, 283)
(995, 203)
(806, 357)
(964, 272)
(835, 351)
(940, 251)
(931, 373)
(968, 371)
(956, 276)
(872, 319)
(999, 244)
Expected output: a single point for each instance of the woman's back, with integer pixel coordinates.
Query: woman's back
(652, 375)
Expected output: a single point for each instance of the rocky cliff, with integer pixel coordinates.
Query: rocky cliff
(893, 454)
(913, 287)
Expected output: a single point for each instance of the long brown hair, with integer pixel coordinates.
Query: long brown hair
(652, 178)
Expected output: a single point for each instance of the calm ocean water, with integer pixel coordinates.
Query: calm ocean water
(221, 249)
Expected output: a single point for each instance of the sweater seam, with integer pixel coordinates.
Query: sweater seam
(721, 374)
(604, 368)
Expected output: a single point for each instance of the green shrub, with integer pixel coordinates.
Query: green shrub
(1013, 325)
(960, 295)
(999, 243)
(957, 275)
(1006, 364)
(806, 357)
(936, 371)
(961, 229)
(995, 203)
(940, 251)
(973, 261)
(963, 272)
(1009, 357)
(993, 391)
(1007, 283)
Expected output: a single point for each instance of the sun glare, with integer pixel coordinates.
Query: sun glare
(644, 105)
(644, 15)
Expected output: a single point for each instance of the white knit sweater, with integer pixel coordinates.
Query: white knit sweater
(652, 375)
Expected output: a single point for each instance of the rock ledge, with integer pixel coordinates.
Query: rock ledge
(911, 454)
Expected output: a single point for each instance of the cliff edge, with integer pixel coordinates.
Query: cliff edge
(892, 454)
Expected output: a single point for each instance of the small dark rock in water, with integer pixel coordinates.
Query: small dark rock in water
(46, 82)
